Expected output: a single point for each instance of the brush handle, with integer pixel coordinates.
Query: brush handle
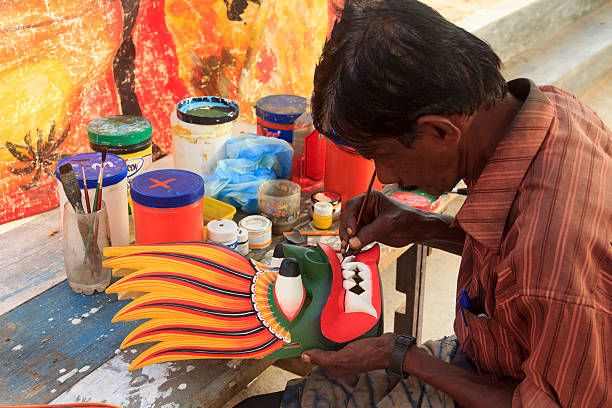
(315, 233)
(364, 203)
(86, 191)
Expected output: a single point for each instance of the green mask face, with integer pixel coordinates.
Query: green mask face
(206, 301)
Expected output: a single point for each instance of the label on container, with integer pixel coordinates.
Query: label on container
(138, 162)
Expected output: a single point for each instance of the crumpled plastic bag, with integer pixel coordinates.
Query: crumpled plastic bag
(250, 160)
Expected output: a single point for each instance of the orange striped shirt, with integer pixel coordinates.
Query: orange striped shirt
(537, 259)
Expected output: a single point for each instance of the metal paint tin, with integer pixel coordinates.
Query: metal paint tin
(328, 197)
(243, 241)
(259, 229)
(277, 114)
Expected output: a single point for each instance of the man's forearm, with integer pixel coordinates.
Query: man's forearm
(468, 389)
(441, 234)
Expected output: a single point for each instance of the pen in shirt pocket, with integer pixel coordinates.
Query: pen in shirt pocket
(464, 304)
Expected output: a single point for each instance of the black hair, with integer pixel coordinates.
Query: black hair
(388, 62)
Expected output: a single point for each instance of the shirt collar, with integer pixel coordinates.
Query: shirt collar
(483, 215)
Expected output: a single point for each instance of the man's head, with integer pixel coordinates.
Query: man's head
(396, 77)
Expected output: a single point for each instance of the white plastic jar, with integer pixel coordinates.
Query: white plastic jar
(114, 190)
(200, 127)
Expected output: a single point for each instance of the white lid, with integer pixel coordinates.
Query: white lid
(222, 231)
(323, 209)
(256, 223)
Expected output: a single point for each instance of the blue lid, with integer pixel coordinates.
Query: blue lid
(281, 109)
(168, 188)
(115, 168)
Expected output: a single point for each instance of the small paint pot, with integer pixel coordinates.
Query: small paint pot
(259, 229)
(167, 206)
(328, 197)
(243, 241)
(224, 232)
(322, 215)
(276, 115)
(114, 190)
(200, 127)
(279, 200)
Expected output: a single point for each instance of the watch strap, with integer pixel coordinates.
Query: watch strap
(396, 362)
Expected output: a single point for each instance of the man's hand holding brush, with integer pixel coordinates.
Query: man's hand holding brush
(395, 224)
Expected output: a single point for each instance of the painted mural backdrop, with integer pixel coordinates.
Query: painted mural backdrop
(64, 63)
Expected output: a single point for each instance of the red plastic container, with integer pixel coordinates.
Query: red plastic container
(167, 206)
(347, 174)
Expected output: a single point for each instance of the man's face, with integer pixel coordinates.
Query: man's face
(431, 163)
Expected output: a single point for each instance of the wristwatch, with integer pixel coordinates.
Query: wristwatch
(396, 362)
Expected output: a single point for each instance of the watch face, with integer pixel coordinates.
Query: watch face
(405, 340)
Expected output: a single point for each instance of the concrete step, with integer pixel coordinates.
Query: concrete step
(599, 97)
(513, 26)
(573, 59)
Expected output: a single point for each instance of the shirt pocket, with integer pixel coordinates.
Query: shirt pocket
(496, 350)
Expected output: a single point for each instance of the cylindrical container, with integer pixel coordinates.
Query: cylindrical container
(276, 115)
(223, 232)
(200, 127)
(347, 174)
(84, 238)
(259, 229)
(243, 241)
(114, 189)
(322, 215)
(279, 200)
(127, 136)
(329, 197)
(167, 206)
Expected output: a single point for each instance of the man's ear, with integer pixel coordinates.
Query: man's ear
(439, 127)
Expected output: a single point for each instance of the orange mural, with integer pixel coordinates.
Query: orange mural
(64, 63)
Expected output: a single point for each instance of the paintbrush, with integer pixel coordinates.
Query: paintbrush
(86, 190)
(98, 197)
(363, 206)
(71, 187)
(92, 236)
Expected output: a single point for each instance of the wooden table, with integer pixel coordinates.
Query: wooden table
(57, 346)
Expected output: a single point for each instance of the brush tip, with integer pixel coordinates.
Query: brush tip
(104, 155)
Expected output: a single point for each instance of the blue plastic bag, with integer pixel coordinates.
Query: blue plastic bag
(250, 160)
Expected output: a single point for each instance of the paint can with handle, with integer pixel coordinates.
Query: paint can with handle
(259, 229)
(223, 232)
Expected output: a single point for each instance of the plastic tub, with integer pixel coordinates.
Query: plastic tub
(200, 127)
(114, 190)
(346, 173)
(167, 206)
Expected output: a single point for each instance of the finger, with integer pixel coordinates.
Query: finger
(316, 356)
(348, 218)
(366, 235)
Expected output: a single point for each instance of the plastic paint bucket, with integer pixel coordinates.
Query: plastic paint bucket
(200, 127)
(328, 197)
(167, 206)
(114, 190)
(346, 173)
(127, 136)
(224, 232)
(276, 115)
(259, 229)
(322, 215)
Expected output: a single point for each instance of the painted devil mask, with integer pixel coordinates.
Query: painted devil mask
(206, 301)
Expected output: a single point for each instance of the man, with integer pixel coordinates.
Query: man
(426, 101)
